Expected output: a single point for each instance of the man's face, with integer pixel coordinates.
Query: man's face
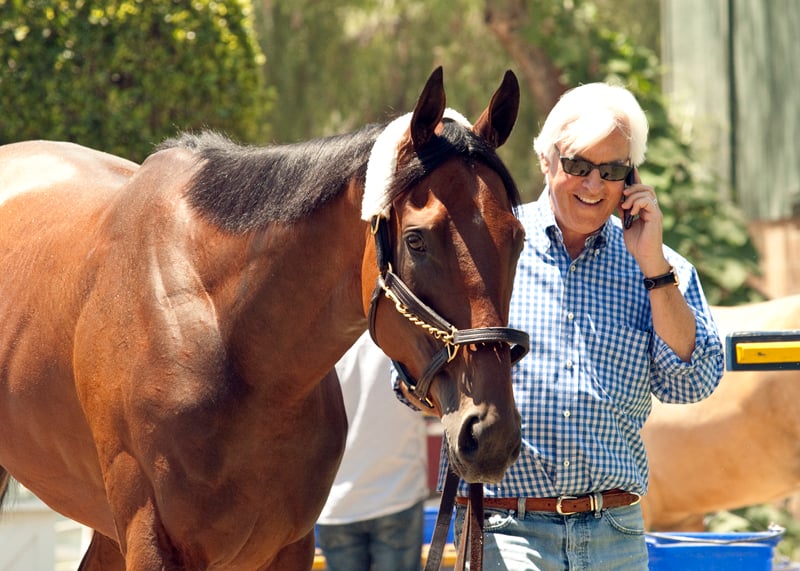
(582, 204)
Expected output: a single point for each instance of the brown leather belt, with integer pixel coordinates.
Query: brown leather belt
(564, 505)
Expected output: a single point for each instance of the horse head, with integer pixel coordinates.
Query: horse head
(447, 241)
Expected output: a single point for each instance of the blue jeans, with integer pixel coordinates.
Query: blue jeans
(388, 543)
(612, 540)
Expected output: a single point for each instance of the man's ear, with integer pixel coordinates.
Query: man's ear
(545, 165)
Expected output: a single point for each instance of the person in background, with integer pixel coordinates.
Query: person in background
(614, 317)
(374, 515)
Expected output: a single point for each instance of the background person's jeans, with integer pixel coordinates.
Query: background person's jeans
(612, 541)
(388, 543)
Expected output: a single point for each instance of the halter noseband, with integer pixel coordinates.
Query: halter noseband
(417, 312)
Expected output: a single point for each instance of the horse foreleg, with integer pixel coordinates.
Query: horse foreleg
(297, 556)
(148, 547)
(103, 555)
(142, 538)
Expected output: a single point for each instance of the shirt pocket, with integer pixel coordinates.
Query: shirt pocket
(618, 363)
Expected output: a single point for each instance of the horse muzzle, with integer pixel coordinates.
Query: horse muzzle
(482, 443)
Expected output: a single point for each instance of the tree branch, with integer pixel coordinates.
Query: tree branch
(506, 19)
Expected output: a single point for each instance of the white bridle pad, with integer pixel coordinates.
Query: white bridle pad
(383, 164)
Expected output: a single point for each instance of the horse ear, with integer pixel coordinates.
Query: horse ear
(429, 110)
(497, 120)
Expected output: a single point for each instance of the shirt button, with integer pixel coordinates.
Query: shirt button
(566, 414)
(570, 316)
(566, 463)
(573, 268)
(568, 364)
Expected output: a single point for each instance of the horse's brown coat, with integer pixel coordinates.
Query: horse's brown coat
(739, 447)
(169, 383)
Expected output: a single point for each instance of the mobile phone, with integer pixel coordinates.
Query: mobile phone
(627, 219)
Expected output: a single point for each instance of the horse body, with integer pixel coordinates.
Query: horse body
(158, 399)
(739, 447)
(166, 356)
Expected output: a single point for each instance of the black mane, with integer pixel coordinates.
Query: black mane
(242, 188)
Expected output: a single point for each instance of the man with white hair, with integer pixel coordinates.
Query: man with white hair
(614, 316)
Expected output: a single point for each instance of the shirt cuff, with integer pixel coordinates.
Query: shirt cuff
(684, 382)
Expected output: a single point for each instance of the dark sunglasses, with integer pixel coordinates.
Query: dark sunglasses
(582, 167)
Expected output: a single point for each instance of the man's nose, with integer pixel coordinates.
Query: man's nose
(593, 180)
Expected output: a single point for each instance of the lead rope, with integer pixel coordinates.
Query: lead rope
(472, 530)
(476, 527)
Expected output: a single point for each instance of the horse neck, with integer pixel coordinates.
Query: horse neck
(304, 300)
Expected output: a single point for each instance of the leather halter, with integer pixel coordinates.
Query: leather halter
(421, 315)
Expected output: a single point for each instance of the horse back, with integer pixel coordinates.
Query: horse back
(47, 166)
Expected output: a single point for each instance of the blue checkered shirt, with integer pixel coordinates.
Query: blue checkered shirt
(584, 389)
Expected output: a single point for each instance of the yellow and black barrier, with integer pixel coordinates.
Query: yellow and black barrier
(763, 350)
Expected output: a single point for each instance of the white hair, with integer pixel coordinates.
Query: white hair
(585, 115)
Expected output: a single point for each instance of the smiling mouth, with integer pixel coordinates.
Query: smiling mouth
(588, 201)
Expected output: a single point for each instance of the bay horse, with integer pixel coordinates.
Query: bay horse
(737, 448)
(168, 331)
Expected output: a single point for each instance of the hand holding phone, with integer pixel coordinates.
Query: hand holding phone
(627, 218)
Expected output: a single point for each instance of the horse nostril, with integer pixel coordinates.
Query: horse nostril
(468, 437)
(483, 447)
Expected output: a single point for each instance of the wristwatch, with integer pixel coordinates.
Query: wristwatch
(670, 278)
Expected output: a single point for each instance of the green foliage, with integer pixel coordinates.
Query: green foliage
(338, 65)
(699, 221)
(121, 75)
(124, 74)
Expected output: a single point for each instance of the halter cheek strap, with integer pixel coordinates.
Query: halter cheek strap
(420, 314)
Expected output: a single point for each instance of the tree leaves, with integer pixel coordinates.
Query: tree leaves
(123, 75)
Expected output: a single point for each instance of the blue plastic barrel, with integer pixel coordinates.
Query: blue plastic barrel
(712, 551)
(431, 513)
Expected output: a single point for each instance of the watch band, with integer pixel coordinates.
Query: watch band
(670, 278)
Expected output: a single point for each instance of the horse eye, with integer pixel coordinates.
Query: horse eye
(415, 242)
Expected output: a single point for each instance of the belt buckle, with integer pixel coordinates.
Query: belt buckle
(558, 504)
